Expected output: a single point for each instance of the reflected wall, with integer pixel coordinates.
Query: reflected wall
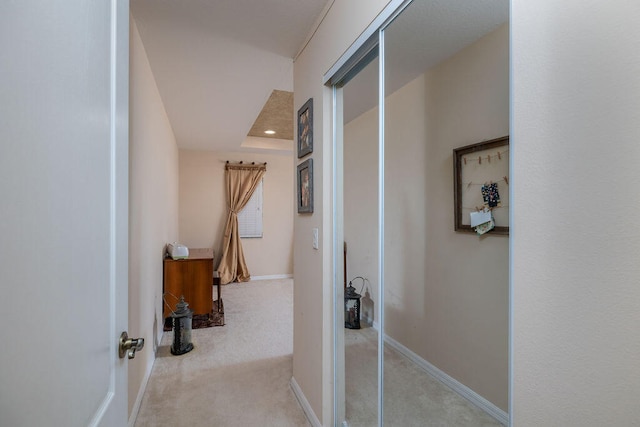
(446, 292)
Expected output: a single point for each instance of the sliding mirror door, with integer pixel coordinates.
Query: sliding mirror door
(356, 99)
(432, 348)
(446, 80)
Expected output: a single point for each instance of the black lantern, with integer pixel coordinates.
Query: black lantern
(182, 319)
(351, 308)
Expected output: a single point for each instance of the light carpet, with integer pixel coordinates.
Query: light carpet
(237, 374)
(412, 396)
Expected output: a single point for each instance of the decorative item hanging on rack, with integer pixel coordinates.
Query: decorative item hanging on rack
(351, 308)
(182, 321)
(482, 221)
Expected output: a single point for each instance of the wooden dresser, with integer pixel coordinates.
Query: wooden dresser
(193, 278)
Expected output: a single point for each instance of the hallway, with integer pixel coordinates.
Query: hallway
(237, 374)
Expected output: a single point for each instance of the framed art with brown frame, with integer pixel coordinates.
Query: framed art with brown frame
(481, 179)
(305, 186)
(305, 129)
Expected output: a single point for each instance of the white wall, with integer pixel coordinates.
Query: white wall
(446, 293)
(203, 208)
(576, 240)
(312, 339)
(153, 209)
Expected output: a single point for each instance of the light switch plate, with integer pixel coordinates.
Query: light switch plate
(315, 238)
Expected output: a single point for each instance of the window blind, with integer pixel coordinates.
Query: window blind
(250, 218)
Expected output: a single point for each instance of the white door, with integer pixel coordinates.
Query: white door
(63, 211)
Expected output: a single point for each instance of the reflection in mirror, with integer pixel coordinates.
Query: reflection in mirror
(445, 293)
(360, 204)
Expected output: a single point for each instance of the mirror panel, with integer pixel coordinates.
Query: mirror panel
(360, 207)
(446, 78)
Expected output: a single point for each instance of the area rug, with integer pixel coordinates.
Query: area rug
(215, 318)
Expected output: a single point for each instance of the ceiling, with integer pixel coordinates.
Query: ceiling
(426, 33)
(217, 63)
(224, 68)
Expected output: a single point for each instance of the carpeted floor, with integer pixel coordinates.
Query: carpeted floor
(412, 397)
(237, 375)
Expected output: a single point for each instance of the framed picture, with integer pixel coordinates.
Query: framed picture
(481, 180)
(305, 186)
(305, 129)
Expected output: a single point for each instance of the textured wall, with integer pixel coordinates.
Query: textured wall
(576, 299)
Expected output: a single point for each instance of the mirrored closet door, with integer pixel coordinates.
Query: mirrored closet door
(440, 296)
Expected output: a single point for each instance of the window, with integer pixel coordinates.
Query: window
(250, 218)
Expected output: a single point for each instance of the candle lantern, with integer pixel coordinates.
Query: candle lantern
(182, 319)
(351, 308)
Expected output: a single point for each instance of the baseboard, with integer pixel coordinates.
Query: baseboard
(272, 277)
(306, 407)
(464, 391)
(489, 408)
(143, 388)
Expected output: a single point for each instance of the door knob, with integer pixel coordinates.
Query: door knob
(129, 345)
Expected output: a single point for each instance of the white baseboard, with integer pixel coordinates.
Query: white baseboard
(143, 388)
(272, 277)
(464, 391)
(492, 410)
(306, 407)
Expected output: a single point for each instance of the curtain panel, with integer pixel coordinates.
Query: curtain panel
(241, 180)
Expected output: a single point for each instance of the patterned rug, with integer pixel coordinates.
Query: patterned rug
(215, 318)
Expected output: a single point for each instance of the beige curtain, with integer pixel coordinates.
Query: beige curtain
(242, 181)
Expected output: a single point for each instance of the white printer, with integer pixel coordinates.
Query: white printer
(177, 251)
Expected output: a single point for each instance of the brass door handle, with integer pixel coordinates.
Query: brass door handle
(129, 345)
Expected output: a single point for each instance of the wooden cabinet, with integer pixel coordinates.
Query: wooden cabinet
(193, 278)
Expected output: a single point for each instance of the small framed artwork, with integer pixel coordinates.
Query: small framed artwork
(481, 184)
(305, 186)
(305, 129)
